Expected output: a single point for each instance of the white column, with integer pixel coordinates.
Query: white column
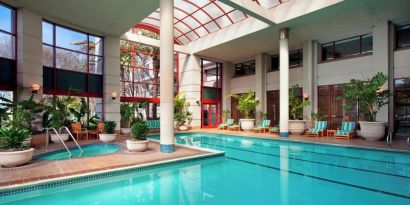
(167, 75)
(29, 52)
(112, 79)
(284, 82)
(260, 83)
(29, 58)
(190, 85)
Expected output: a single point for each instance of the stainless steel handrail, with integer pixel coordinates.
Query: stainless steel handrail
(389, 138)
(59, 137)
(408, 141)
(72, 137)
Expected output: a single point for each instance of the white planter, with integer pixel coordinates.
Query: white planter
(12, 159)
(183, 128)
(372, 130)
(125, 131)
(137, 146)
(247, 124)
(54, 138)
(107, 138)
(297, 127)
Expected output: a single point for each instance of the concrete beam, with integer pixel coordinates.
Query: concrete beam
(251, 8)
(129, 36)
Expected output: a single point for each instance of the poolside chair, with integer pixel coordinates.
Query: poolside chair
(78, 131)
(96, 132)
(235, 127)
(318, 130)
(225, 126)
(347, 130)
(153, 124)
(274, 130)
(262, 128)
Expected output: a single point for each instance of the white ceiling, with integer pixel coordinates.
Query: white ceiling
(349, 18)
(95, 16)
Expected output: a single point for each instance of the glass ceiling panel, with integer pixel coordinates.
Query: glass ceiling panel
(197, 18)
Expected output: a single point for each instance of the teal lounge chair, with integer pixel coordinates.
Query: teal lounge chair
(235, 127)
(228, 123)
(262, 128)
(318, 130)
(274, 130)
(153, 124)
(347, 130)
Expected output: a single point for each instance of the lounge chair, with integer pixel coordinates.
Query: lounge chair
(318, 130)
(153, 124)
(274, 130)
(262, 128)
(235, 127)
(347, 130)
(225, 126)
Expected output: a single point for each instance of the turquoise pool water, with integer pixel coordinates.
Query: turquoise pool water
(88, 151)
(253, 171)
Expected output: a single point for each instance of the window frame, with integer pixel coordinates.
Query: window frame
(396, 35)
(333, 43)
(242, 63)
(11, 87)
(300, 55)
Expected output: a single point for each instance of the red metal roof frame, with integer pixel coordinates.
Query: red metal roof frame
(215, 11)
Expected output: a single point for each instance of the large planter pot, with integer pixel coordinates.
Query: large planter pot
(17, 158)
(137, 146)
(107, 138)
(54, 138)
(125, 131)
(297, 127)
(183, 128)
(372, 130)
(247, 124)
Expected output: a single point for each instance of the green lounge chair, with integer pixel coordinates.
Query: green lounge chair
(228, 123)
(347, 130)
(318, 130)
(274, 130)
(153, 124)
(262, 128)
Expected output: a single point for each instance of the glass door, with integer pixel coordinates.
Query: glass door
(211, 94)
(210, 115)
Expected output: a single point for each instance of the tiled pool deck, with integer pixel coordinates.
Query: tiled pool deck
(43, 170)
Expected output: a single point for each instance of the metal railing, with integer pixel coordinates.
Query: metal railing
(72, 137)
(59, 137)
(389, 138)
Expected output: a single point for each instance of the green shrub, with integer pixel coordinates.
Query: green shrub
(14, 138)
(109, 127)
(296, 105)
(246, 103)
(139, 131)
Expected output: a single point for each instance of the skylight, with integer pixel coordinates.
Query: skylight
(194, 19)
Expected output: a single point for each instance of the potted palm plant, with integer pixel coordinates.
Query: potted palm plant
(57, 114)
(138, 141)
(15, 138)
(127, 111)
(181, 113)
(109, 132)
(297, 124)
(370, 96)
(246, 105)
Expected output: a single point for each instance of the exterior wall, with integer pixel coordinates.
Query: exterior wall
(112, 79)
(190, 84)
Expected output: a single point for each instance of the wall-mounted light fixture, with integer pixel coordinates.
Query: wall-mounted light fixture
(197, 101)
(35, 88)
(305, 96)
(257, 99)
(114, 95)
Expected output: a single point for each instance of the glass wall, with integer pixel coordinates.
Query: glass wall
(403, 36)
(295, 60)
(211, 93)
(353, 46)
(73, 64)
(8, 77)
(402, 106)
(245, 68)
(140, 75)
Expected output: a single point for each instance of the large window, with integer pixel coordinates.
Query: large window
(403, 36)
(140, 74)
(273, 107)
(331, 106)
(402, 106)
(7, 48)
(354, 46)
(245, 68)
(73, 65)
(295, 60)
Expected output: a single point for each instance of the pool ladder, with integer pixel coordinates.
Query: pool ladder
(61, 140)
(389, 138)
